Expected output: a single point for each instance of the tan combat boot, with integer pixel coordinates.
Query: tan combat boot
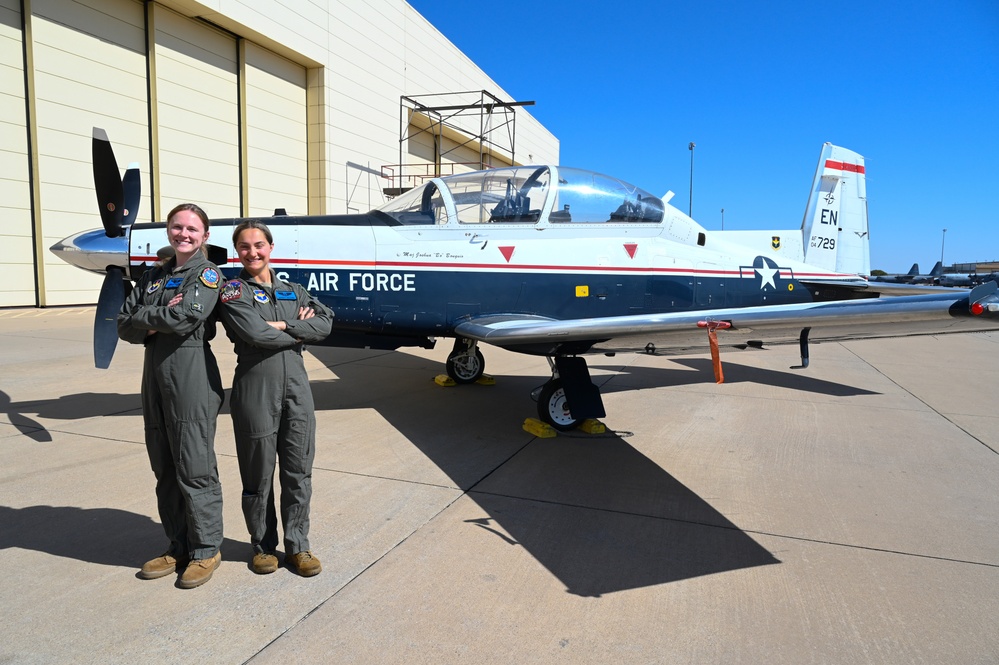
(161, 566)
(199, 571)
(264, 563)
(304, 563)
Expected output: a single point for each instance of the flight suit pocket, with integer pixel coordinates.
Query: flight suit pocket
(195, 454)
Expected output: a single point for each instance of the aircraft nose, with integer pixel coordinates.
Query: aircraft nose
(93, 251)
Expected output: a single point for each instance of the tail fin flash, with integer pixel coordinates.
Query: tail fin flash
(834, 232)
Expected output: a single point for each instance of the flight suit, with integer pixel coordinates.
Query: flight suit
(181, 398)
(273, 413)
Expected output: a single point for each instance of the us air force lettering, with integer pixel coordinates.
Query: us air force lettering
(361, 281)
(561, 262)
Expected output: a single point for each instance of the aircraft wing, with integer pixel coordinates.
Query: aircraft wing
(678, 332)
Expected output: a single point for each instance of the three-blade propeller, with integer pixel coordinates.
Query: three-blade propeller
(118, 200)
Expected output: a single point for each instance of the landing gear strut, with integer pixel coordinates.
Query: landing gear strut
(465, 364)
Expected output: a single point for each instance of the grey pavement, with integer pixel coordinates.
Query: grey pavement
(844, 514)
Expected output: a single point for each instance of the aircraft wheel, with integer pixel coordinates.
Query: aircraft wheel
(553, 409)
(465, 367)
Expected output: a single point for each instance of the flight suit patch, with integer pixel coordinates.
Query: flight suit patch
(260, 295)
(231, 291)
(155, 286)
(174, 282)
(196, 306)
(210, 278)
(285, 295)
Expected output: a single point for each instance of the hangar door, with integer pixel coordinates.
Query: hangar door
(276, 134)
(17, 266)
(197, 106)
(90, 71)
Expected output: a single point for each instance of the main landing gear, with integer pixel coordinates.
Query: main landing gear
(465, 364)
(569, 397)
(564, 401)
(553, 408)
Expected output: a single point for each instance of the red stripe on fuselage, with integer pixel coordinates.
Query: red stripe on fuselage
(502, 267)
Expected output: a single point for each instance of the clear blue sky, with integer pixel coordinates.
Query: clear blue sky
(625, 85)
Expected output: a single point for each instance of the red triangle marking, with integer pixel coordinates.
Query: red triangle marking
(507, 252)
(631, 248)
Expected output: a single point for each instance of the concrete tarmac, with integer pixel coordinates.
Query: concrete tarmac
(848, 513)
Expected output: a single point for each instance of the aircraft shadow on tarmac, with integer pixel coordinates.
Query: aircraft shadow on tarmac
(106, 536)
(78, 406)
(630, 377)
(32, 429)
(593, 510)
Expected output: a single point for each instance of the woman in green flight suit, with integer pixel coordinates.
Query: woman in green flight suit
(170, 311)
(273, 414)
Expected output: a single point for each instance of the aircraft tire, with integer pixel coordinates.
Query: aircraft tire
(466, 367)
(552, 407)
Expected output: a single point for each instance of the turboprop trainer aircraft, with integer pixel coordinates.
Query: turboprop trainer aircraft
(558, 262)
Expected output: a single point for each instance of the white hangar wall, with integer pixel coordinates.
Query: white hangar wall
(242, 106)
(17, 265)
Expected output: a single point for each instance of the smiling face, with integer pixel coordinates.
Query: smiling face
(187, 234)
(254, 252)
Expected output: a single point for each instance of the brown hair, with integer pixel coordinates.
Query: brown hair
(192, 207)
(196, 209)
(251, 224)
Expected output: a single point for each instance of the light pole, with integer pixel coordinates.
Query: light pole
(723, 219)
(690, 202)
(942, 241)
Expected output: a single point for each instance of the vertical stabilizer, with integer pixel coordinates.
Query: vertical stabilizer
(834, 232)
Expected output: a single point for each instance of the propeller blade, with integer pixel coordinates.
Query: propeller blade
(132, 190)
(107, 183)
(106, 319)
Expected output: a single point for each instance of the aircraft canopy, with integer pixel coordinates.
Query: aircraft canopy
(526, 194)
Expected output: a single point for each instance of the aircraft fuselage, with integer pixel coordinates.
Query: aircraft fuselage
(422, 280)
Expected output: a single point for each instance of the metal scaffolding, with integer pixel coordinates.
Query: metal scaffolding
(453, 114)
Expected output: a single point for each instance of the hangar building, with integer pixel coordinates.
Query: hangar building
(242, 106)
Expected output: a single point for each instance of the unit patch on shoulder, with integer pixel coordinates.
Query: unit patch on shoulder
(231, 291)
(210, 278)
(260, 295)
(285, 295)
(154, 286)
